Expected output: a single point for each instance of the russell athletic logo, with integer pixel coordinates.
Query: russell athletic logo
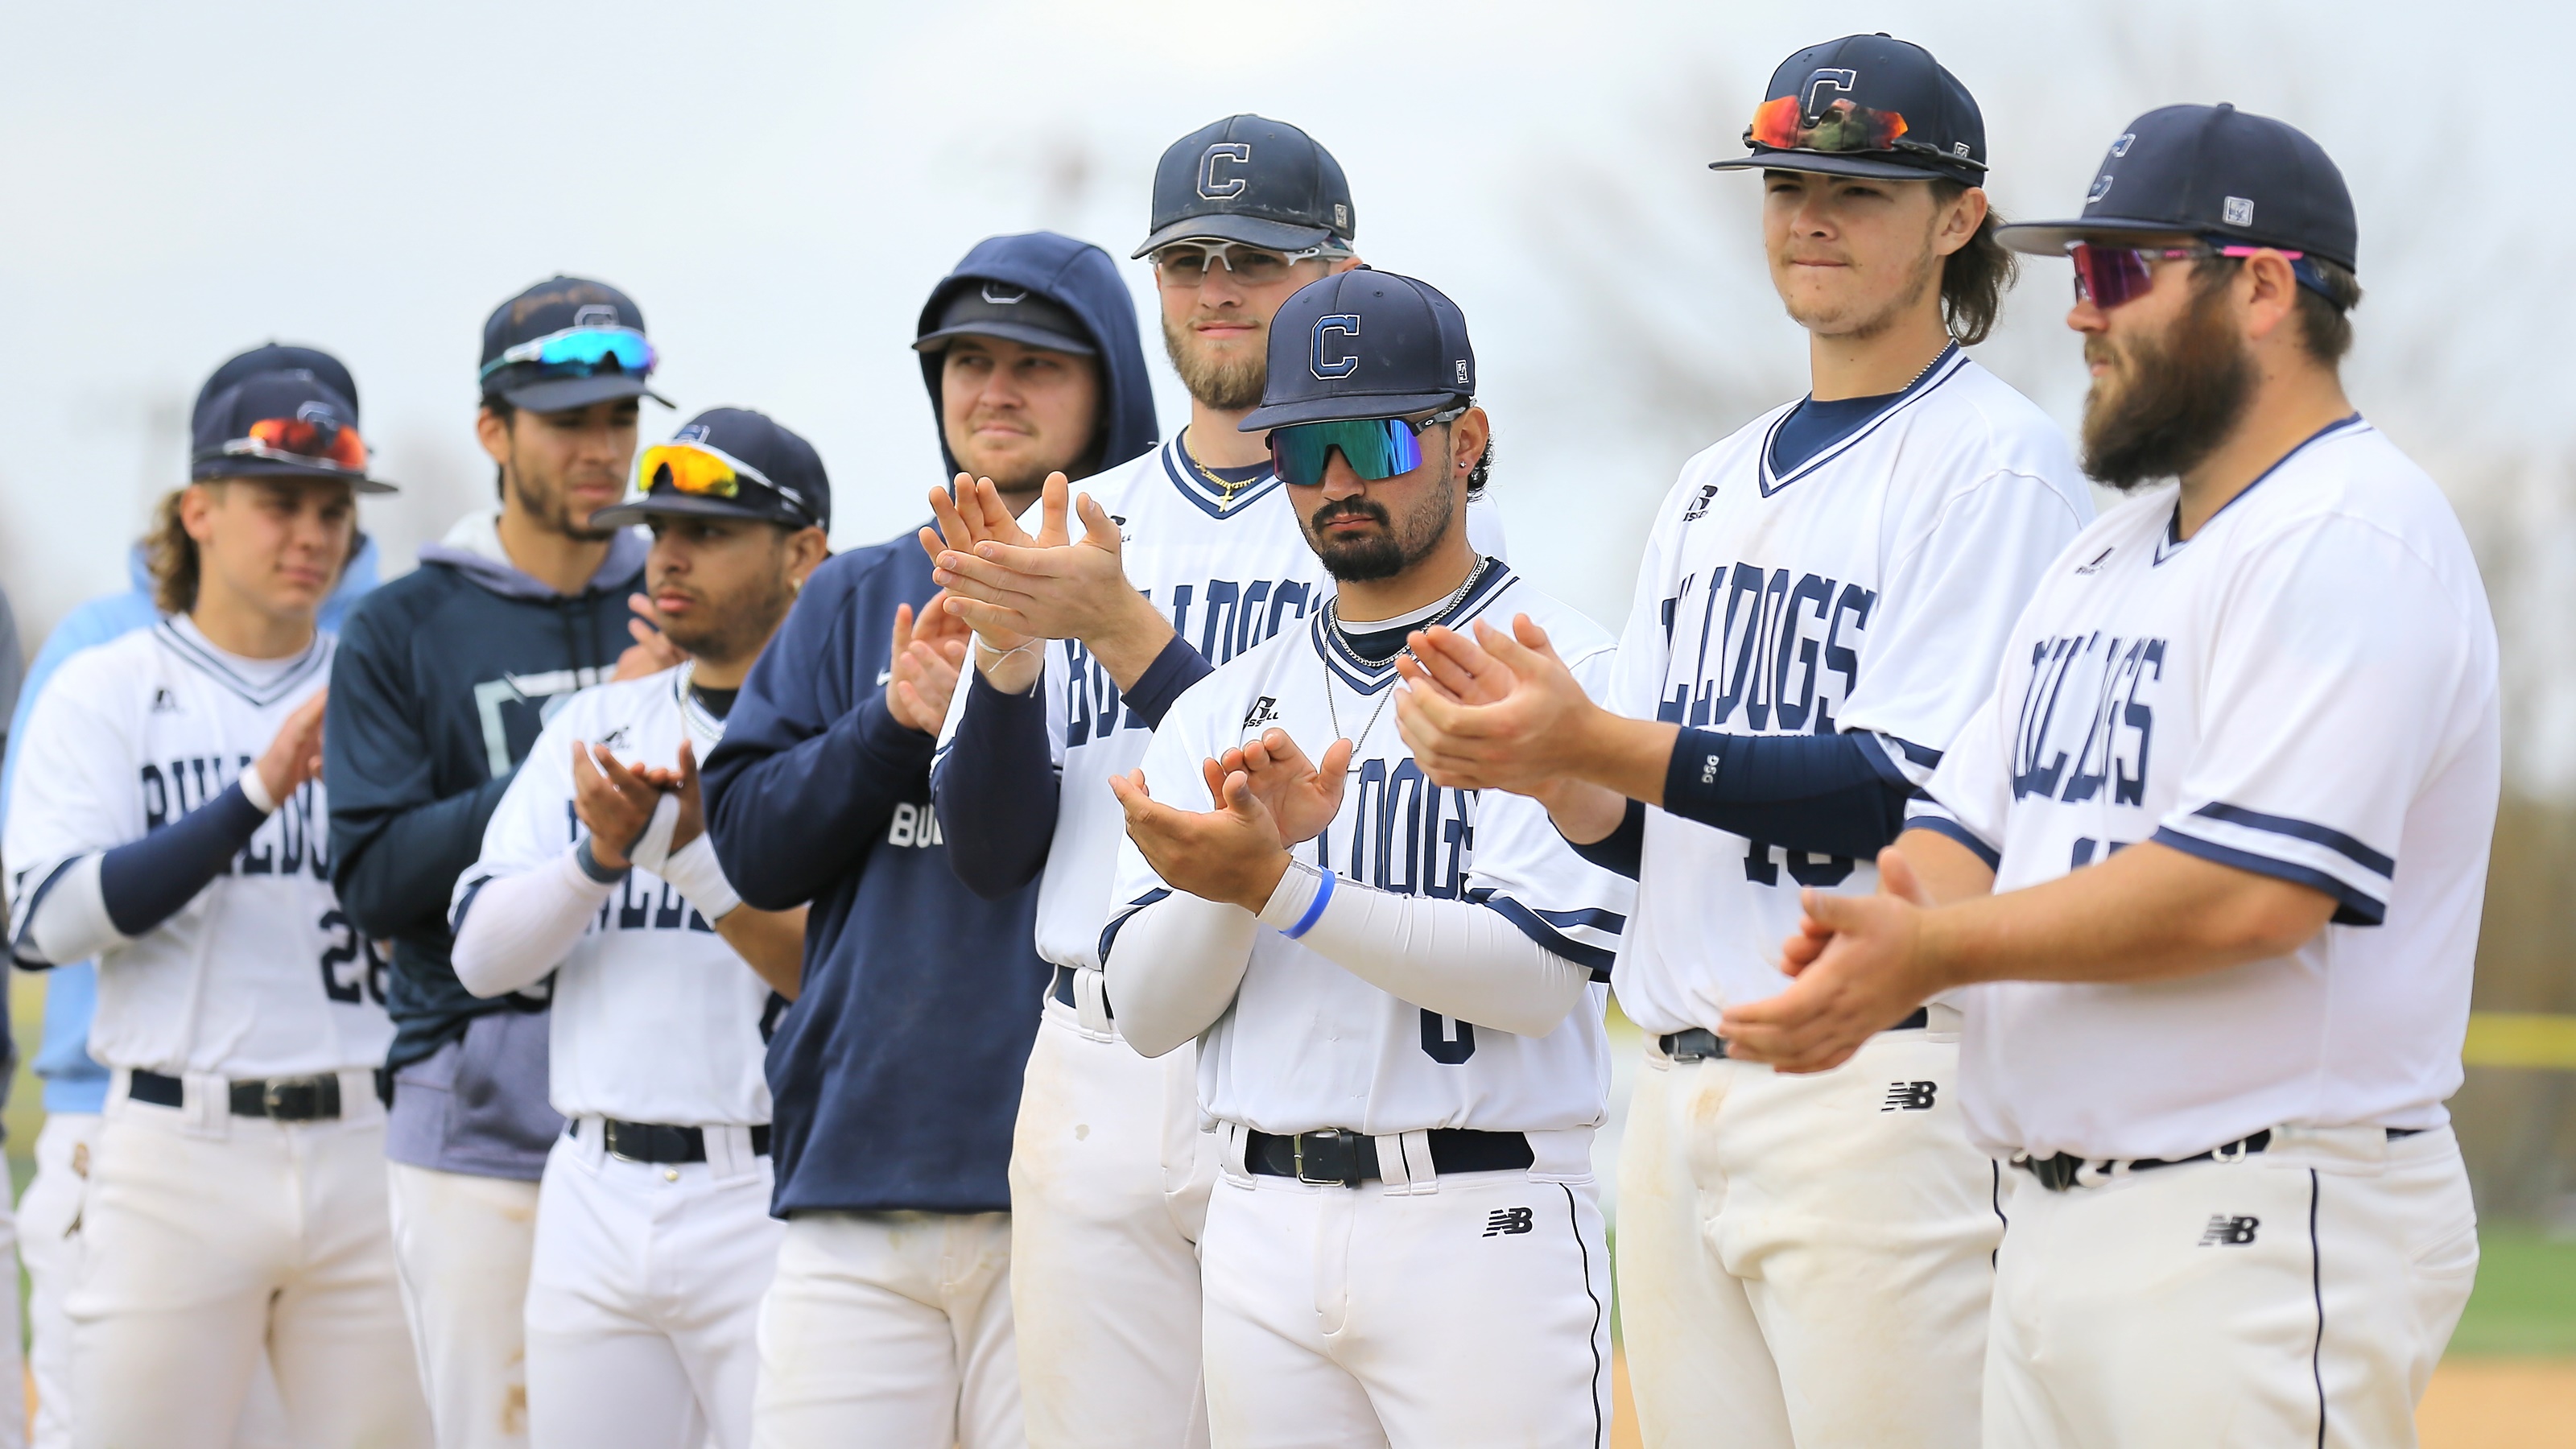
(1228, 154)
(1263, 711)
(1507, 1222)
(1328, 359)
(2225, 1231)
(1910, 1096)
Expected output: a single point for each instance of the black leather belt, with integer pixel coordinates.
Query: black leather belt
(283, 1099)
(655, 1142)
(1701, 1044)
(1340, 1157)
(2064, 1170)
(1062, 991)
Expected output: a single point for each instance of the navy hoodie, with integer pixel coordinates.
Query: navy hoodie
(437, 693)
(895, 1077)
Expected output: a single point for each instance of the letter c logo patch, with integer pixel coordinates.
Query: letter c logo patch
(1326, 366)
(1214, 187)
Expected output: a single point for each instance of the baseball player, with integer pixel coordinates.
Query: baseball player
(2232, 798)
(1822, 603)
(1395, 986)
(169, 823)
(654, 1240)
(1182, 559)
(440, 687)
(75, 1085)
(896, 1075)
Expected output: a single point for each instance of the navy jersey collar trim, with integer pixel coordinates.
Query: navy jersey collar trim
(1208, 497)
(316, 656)
(1943, 368)
(2172, 542)
(1366, 677)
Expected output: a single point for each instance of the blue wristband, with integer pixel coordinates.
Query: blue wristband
(1314, 909)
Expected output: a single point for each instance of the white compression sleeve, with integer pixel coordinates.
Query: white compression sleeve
(69, 921)
(694, 872)
(1456, 958)
(520, 927)
(1175, 968)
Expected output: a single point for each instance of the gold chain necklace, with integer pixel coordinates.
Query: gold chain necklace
(1226, 488)
(1333, 624)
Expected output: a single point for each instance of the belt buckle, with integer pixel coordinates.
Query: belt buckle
(275, 1094)
(1696, 1044)
(1340, 1138)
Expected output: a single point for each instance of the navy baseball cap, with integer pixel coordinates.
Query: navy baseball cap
(2215, 173)
(566, 343)
(281, 425)
(1364, 344)
(1251, 180)
(276, 357)
(1866, 105)
(728, 463)
(989, 308)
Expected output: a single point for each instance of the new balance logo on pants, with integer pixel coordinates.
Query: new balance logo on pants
(1513, 1221)
(1910, 1096)
(2233, 1232)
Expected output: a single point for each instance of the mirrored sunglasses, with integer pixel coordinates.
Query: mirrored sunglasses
(2108, 276)
(582, 350)
(1376, 448)
(302, 441)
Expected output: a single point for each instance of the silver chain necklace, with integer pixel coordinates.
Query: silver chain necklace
(1333, 623)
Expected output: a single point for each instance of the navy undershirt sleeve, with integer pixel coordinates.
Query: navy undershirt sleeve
(1622, 850)
(1170, 675)
(996, 790)
(1822, 794)
(147, 881)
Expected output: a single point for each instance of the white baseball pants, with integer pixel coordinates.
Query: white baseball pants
(49, 1244)
(1806, 1260)
(1109, 1189)
(463, 1243)
(204, 1234)
(644, 1295)
(1472, 1309)
(2300, 1295)
(892, 1330)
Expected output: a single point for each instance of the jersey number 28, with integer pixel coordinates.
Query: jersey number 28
(351, 946)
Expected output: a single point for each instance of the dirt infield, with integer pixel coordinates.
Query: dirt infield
(2475, 1403)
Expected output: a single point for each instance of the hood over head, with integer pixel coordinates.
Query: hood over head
(1080, 278)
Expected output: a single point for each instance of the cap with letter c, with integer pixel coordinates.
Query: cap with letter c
(566, 343)
(1866, 105)
(1364, 344)
(2213, 173)
(1253, 180)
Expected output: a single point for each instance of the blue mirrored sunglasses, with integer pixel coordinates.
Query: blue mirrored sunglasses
(585, 349)
(1376, 448)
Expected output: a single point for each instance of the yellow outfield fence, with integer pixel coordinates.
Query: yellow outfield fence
(2520, 1039)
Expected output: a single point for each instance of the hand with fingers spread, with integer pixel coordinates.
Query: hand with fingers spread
(1859, 968)
(928, 655)
(1232, 853)
(974, 515)
(1301, 796)
(681, 780)
(294, 753)
(1499, 711)
(652, 652)
(1056, 586)
(614, 802)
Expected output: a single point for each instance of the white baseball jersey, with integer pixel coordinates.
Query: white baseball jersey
(1227, 573)
(1307, 1045)
(2305, 689)
(655, 1018)
(261, 975)
(1869, 589)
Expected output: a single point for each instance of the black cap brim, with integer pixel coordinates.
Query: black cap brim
(637, 510)
(1823, 163)
(2051, 238)
(1356, 407)
(1008, 331)
(1279, 236)
(246, 467)
(563, 394)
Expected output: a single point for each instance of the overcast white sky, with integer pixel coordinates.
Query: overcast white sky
(780, 186)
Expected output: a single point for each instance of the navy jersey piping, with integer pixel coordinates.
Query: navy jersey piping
(1196, 489)
(317, 655)
(1944, 367)
(1366, 677)
(2173, 542)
